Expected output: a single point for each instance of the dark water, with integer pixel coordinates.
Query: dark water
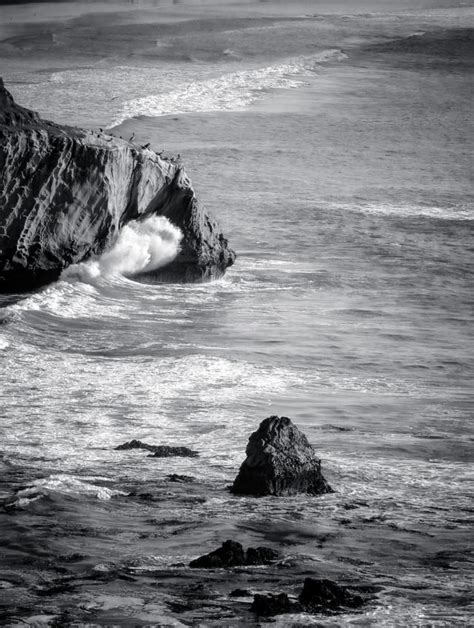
(336, 151)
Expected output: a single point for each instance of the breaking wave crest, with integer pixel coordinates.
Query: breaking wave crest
(60, 483)
(229, 92)
(141, 247)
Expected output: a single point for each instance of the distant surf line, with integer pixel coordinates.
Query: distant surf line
(229, 92)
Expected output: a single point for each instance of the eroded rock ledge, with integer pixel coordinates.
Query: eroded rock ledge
(67, 192)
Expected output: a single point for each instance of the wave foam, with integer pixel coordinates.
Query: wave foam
(229, 92)
(141, 247)
(64, 484)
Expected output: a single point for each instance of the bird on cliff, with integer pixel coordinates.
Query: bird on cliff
(146, 145)
(132, 137)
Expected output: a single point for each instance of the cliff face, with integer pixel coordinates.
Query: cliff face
(65, 194)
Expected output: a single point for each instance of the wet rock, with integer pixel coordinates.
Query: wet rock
(180, 479)
(135, 444)
(232, 554)
(261, 556)
(280, 461)
(165, 451)
(317, 596)
(159, 451)
(272, 604)
(320, 595)
(240, 593)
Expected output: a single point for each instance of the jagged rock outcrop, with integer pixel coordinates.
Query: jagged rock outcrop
(317, 596)
(232, 554)
(280, 461)
(66, 193)
(268, 605)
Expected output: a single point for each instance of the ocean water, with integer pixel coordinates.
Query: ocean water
(333, 142)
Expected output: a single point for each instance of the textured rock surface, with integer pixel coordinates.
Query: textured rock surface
(272, 604)
(67, 192)
(320, 595)
(159, 451)
(280, 461)
(232, 554)
(317, 596)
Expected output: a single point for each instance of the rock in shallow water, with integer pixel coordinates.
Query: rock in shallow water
(232, 554)
(159, 451)
(66, 193)
(280, 461)
(317, 596)
(272, 604)
(327, 595)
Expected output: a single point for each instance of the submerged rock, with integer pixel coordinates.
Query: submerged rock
(280, 461)
(232, 554)
(159, 451)
(180, 479)
(327, 595)
(66, 194)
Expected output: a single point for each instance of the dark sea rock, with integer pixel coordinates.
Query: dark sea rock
(261, 556)
(240, 593)
(317, 596)
(159, 451)
(232, 554)
(67, 192)
(272, 604)
(280, 461)
(135, 444)
(180, 479)
(165, 451)
(320, 595)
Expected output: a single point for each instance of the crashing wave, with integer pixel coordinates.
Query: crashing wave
(142, 246)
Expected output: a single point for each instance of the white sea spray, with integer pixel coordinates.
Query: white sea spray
(141, 246)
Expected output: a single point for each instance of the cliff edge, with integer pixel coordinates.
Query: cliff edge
(66, 193)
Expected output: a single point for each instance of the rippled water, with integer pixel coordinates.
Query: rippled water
(348, 198)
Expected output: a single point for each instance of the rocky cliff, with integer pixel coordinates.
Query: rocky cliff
(66, 193)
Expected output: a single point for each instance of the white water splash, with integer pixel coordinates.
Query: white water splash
(141, 247)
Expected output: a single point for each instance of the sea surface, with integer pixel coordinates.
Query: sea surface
(334, 143)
